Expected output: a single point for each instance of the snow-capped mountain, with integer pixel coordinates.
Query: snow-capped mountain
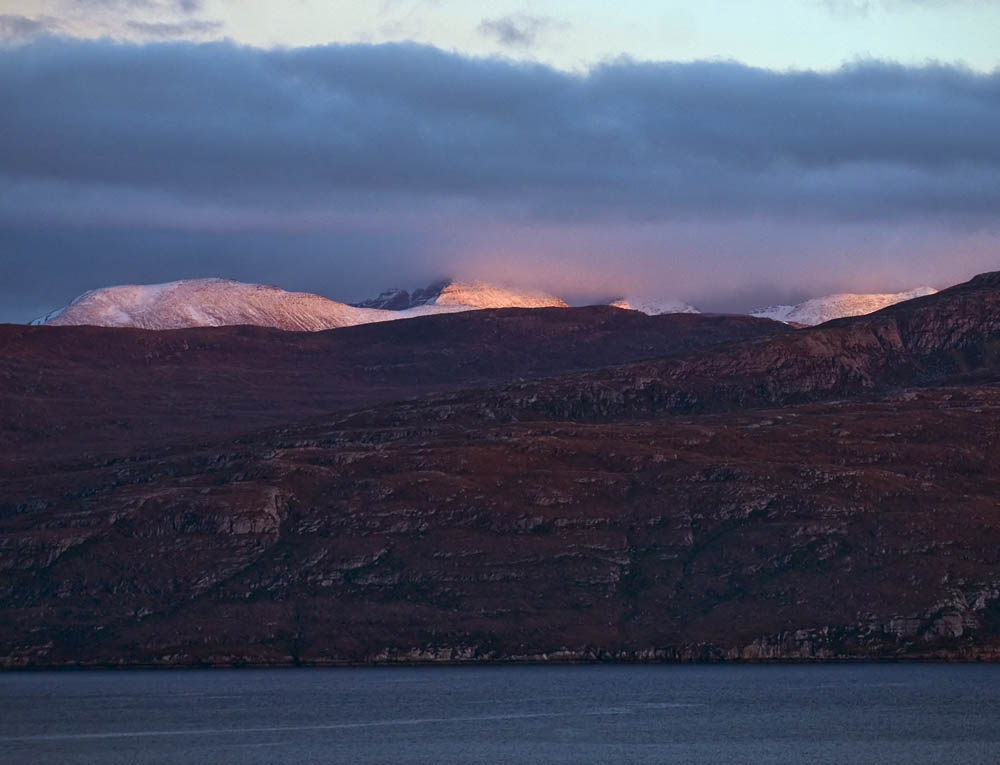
(655, 306)
(219, 302)
(208, 303)
(462, 295)
(823, 309)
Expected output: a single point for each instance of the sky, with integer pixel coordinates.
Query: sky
(728, 153)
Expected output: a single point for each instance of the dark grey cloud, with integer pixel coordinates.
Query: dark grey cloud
(246, 127)
(16, 28)
(519, 30)
(513, 163)
(173, 29)
(118, 19)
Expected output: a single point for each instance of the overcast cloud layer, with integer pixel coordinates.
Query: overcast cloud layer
(347, 168)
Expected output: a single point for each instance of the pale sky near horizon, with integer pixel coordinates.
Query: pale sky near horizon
(774, 34)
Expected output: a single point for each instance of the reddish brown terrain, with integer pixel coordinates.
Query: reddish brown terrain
(815, 494)
(92, 390)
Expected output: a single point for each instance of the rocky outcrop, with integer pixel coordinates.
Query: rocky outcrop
(829, 531)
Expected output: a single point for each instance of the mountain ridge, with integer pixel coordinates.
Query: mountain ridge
(224, 302)
(216, 302)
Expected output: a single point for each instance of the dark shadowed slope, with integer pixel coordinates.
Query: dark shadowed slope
(921, 341)
(67, 390)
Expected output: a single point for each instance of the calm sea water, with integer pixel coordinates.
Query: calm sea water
(586, 714)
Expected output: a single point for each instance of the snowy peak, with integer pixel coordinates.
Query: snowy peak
(209, 303)
(389, 300)
(453, 295)
(221, 302)
(218, 302)
(655, 306)
(483, 295)
(823, 309)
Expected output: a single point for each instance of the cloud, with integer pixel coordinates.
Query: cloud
(865, 7)
(517, 30)
(613, 174)
(161, 6)
(119, 19)
(14, 28)
(643, 141)
(173, 29)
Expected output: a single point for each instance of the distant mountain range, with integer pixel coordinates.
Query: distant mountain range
(223, 302)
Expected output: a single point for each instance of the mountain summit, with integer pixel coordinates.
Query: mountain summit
(654, 306)
(208, 303)
(465, 294)
(824, 309)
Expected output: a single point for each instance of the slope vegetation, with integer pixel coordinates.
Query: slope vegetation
(98, 390)
(816, 494)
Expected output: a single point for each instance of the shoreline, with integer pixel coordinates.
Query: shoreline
(497, 663)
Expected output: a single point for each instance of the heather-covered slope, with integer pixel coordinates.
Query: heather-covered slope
(835, 530)
(922, 341)
(824, 493)
(956, 331)
(66, 390)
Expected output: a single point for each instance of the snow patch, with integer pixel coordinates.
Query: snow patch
(483, 295)
(655, 306)
(823, 309)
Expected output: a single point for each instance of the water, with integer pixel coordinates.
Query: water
(586, 714)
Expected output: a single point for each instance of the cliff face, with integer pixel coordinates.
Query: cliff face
(954, 332)
(827, 493)
(839, 530)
